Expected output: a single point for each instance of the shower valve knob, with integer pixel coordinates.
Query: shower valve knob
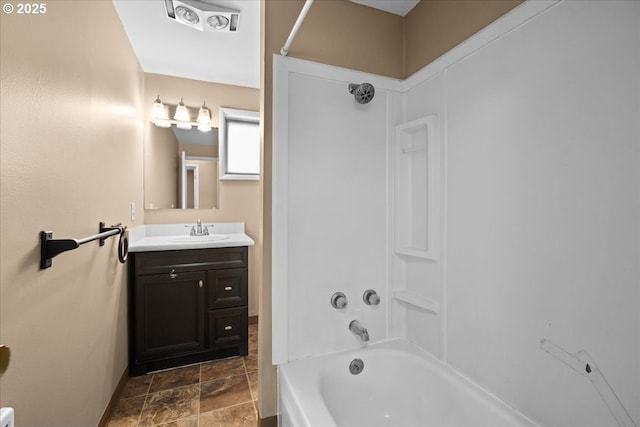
(339, 300)
(370, 297)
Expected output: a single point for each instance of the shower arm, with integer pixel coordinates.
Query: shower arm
(303, 13)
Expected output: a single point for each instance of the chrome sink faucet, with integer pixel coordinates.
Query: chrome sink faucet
(197, 230)
(358, 330)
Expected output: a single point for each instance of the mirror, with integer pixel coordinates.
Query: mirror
(180, 168)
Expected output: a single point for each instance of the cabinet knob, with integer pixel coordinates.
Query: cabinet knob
(228, 288)
(200, 283)
(228, 328)
(173, 274)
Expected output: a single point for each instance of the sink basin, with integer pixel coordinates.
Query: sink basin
(196, 239)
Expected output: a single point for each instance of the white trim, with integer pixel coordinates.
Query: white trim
(196, 183)
(227, 114)
(183, 180)
(280, 215)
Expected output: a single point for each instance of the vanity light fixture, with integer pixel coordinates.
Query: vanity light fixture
(204, 118)
(161, 117)
(182, 118)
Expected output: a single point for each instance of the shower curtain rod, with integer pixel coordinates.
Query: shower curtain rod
(303, 13)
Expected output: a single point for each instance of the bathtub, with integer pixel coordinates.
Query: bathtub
(400, 386)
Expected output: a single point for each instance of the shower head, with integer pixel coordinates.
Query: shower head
(362, 92)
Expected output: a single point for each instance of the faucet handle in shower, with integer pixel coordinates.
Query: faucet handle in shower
(339, 300)
(370, 297)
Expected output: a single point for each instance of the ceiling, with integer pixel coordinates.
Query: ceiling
(397, 7)
(164, 46)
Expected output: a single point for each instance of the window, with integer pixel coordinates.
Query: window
(239, 144)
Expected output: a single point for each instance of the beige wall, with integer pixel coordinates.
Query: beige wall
(71, 150)
(199, 150)
(341, 33)
(433, 27)
(161, 172)
(238, 201)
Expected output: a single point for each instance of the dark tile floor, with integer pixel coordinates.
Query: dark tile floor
(218, 393)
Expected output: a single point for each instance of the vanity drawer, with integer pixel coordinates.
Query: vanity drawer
(164, 262)
(228, 327)
(227, 288)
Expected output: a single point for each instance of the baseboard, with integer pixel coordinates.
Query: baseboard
(268, 422)
(106, 416)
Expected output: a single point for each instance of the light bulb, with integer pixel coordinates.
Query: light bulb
(218, 22)
(187, 15)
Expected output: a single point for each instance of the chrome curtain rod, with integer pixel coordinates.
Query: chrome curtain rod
(305, 9)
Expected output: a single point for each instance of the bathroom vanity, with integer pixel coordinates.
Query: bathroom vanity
(188, 297)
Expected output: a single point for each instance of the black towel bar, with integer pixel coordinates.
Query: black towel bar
(50, 247)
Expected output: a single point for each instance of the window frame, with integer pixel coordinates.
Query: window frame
(227, 115)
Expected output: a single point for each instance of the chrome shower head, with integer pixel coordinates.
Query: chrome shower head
(362, 92)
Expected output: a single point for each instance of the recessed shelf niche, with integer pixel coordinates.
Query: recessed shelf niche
(417, 188)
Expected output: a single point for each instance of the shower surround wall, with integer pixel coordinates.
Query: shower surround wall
(540, 205)
(332, 195)
(543, 207)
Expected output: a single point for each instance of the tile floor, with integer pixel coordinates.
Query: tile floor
(218, 393)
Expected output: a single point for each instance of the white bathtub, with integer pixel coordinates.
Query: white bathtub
(400, 386)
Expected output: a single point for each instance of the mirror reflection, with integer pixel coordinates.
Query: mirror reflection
(181, 168)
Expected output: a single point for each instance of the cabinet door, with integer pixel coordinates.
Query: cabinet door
(227, 288)
(170, 314)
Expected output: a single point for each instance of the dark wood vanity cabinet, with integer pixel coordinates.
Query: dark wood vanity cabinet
(187, 306)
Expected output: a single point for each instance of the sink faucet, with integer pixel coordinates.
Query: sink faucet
(197, 230)
(357, 329)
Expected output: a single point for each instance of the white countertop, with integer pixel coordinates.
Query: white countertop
(169, 237)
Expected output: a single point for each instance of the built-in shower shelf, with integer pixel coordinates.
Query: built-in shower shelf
(416, 178)
(418, 301)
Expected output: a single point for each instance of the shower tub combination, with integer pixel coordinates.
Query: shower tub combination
(399, 385)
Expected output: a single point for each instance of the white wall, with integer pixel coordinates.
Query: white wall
(334, 178)
(543, 209)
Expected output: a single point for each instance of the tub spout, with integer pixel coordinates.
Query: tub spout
(357, 329)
